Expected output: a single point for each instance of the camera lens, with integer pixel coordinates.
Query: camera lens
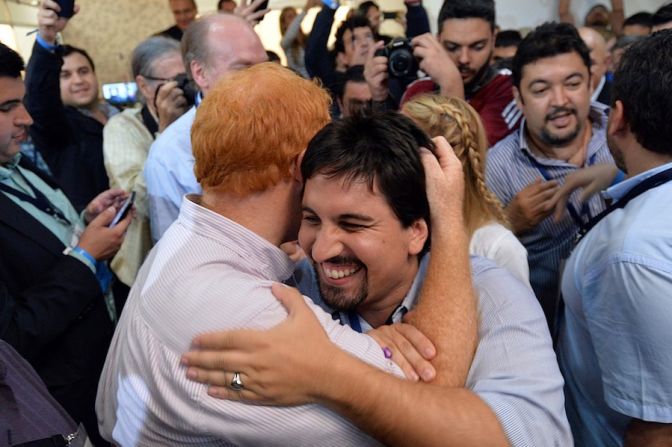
(401, 64)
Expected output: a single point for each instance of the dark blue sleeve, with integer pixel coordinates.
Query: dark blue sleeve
(317, 58)
(417, 20)
(43, 99)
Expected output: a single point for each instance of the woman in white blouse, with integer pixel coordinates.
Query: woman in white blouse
(485, 220)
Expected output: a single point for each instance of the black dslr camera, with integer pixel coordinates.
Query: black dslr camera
(188, 88)
(401, 63)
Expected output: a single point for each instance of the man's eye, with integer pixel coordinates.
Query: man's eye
(349, 226)
(311, 220)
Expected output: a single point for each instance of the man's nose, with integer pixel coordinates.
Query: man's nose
(326, 246)
(22, 117)
(464, 56)
(558, 95)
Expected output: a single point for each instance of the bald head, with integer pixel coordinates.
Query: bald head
(217, 45)
(598, 53)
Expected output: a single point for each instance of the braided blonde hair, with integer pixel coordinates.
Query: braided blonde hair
(460, 124)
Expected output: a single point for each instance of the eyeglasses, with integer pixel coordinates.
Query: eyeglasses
(152, 78)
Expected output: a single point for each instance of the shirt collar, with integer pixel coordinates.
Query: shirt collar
(8, 168)
(617, 191)
(405, 305)
(255, 253)
(598, 89)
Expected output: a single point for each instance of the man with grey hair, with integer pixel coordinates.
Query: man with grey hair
(156, 63)
(212, 47)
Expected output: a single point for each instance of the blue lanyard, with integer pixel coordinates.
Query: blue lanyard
(576, 216)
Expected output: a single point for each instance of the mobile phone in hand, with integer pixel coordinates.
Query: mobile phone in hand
(67, 8)
(124, 210)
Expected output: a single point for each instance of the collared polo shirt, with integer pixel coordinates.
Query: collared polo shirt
(615, 337)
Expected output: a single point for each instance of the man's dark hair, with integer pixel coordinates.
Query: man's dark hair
(381, 150)
(508, 38)
(663, 15)
(468, 9)
(354, 74)
(641, 18)
(364, 7)
(68, 50)
(356, 21)
(11, 64)
(221, 2)
(548, 40)
(642, 83)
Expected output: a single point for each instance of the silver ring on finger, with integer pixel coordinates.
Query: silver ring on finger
(236, 382)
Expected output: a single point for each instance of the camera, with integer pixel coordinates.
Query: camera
(188, 88)
(401, 63)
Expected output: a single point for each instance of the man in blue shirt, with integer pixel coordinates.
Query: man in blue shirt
(614, 345)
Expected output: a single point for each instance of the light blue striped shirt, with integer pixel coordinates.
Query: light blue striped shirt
(514, 369)
(511, 166)
(615, 337)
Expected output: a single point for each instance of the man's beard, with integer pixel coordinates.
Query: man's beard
(555, 140)
(336, 297)
(479, 75)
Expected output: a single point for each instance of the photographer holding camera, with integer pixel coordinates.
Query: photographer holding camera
(457, 64)
(159, 72)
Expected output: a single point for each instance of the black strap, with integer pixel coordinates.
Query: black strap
(149, 121)
(650, 183)
(40, 201)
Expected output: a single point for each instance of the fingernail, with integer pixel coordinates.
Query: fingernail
(184, 360)
(427, 375)
(192, 374)
(415, 377)
(429, 352)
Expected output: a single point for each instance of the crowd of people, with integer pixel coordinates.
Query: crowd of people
(450, 239)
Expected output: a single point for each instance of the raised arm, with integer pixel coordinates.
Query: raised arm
(564, 13)
(43, 93)
(318, 61)
(446, 312)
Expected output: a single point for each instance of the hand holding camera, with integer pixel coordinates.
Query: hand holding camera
(435, 61)
(375, 72)
(52, 17)
(173, 99)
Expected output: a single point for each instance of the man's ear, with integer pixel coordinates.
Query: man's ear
(419, 232)
(518, 98)
(199, 74)
(617, 122)
(296, 167)
(144, 87)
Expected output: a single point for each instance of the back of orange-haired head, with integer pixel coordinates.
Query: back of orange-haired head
(251, 127)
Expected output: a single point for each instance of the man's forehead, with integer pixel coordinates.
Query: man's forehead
(465, 31)
(75, 61)
(562, 65)
(11, 89)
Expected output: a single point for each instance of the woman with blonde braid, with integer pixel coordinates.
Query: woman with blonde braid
(485, 220)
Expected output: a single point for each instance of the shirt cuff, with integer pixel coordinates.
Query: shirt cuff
(83, 256)
(46, 45)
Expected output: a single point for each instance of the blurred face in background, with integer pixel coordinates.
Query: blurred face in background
(184, 12)
(79, 84)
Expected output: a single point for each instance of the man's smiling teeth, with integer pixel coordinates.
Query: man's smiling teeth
(338, 274)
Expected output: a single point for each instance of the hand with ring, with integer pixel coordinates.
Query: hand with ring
(277, 366)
